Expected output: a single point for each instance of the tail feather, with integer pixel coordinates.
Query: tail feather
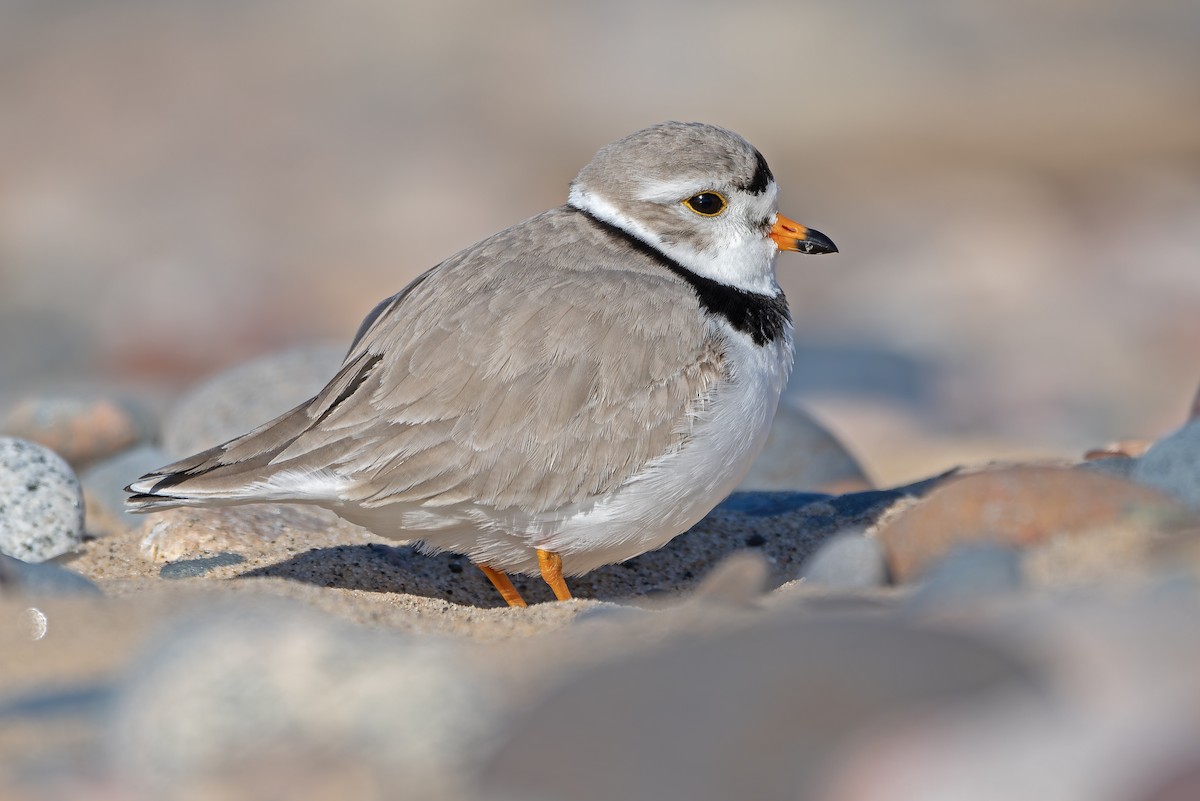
(258, 466)
(234, 472)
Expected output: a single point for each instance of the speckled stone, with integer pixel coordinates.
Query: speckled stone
(82, 429)
(243, 398)
(41, 503)
(1172, 465)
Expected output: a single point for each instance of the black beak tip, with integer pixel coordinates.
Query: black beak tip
(817, 242)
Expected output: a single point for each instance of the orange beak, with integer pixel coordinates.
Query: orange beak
(789, 235)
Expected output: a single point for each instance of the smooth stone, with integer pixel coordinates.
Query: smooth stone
(191, 568)
(105, 481)
(29, 579)
(241, 399)
(41, 502)
(848, 560)
(739, 579)
(802, 455)
(236, 686)
(1114, 707)
(970, 573)
(81, 429)
(752, 713)
(1015, 506)
(1172, 465)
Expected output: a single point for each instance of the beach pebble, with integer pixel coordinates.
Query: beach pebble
(753, 713)
(244, 397)
(802, 455)
(105, 481)
(29, 579)
(41, 503)
(80, 429)
(186, 533)
(1016, 506)
(970, 573)
(848, 560)
(1172, 465)
(737, 580)
(249, 688)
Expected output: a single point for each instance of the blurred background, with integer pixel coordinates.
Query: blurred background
(1014, 186)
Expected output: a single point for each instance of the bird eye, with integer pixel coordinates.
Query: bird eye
(708, 204)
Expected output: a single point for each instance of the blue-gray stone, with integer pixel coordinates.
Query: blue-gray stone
(847, 560)
(969, 573)
(1172, 465)
(39, 580)
(105, 481)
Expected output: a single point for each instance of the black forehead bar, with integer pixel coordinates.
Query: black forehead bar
(762, 175)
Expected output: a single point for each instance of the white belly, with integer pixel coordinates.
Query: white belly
(664, 500)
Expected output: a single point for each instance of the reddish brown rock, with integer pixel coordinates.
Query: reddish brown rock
(79, 429)
(1016, 506)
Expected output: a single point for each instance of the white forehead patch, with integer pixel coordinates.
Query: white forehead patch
(668, 191)
(673, 191)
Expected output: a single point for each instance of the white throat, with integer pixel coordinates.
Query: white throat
(736, 260)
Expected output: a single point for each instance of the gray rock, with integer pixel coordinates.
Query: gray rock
(1172, 465)
(848, 560)
(261, 685)
(105, 482)
(801, 455)
(31, 580)
(41, 503)
(753, 713)
(970, 573)
(243, 398)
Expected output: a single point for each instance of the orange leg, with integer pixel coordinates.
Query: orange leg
(506, 588)
(551, 566)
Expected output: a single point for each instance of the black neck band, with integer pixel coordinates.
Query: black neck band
(763, 317)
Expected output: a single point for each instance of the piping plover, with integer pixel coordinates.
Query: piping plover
(568, 393)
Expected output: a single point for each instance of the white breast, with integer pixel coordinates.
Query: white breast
(679, 488)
